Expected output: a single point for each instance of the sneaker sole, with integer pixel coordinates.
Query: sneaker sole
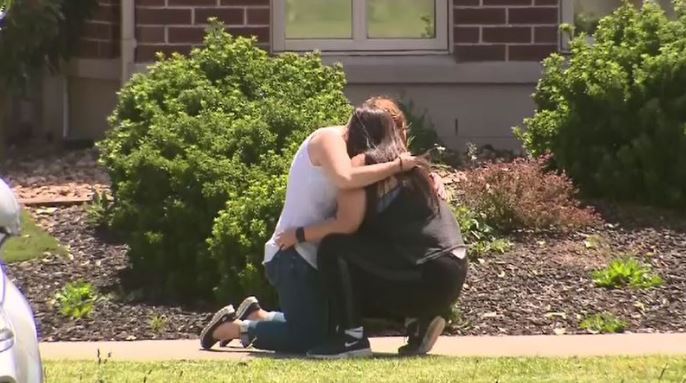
(214, 323)
(240, 313)
(244, 306)
(362, 353)
(434, 331)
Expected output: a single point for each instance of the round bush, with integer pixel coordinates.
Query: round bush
(614, 114)
(198, 154)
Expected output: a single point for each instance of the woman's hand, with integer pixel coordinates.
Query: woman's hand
(286, 239)
(439, 187)
(408, 161)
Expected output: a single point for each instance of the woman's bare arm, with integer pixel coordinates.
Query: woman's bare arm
(349, 217)
(330, 151)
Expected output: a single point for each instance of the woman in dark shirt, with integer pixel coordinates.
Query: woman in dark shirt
(407, 260)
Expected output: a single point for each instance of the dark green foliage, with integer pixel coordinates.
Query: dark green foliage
(198, 154)
(39, 33)
(422, 134)
(614, 115)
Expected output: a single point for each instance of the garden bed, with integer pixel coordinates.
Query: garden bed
(543, 285)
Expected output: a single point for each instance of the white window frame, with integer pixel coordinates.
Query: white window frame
(359, 43)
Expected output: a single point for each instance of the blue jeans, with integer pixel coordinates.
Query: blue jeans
(303, 320)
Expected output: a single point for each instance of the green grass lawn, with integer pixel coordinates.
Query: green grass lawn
(32, 243)
(432, 369)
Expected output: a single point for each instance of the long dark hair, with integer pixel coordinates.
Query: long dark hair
(372, 132)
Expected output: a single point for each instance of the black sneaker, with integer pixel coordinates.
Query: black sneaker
(226, 314)
(412, 335)
(422, 336)
(247, 307)
(342, 347)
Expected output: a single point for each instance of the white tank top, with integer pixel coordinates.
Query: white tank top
(310, 199)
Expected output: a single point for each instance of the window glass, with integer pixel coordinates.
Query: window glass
(319, 19)
(401, 19)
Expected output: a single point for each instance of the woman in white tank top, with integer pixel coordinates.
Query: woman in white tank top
(320, 170)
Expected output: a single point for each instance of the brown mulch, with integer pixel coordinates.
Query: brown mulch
(542, 286)
(39, 179)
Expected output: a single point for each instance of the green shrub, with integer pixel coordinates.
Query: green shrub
(626, 272)
(198, 154)
(477, 234)
(614, 114)
(422, 134)
(36, 33)
(603, 323)
(522, 195)
(76, 300)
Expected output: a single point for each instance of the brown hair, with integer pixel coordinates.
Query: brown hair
(374, 132)
(391, 107)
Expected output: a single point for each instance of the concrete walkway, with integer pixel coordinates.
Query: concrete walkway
(483, 346)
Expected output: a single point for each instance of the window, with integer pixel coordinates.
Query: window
(360, 25)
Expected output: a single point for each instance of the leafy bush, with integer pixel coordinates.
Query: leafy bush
(614, 114)
(36, 33)
(522, 195)
(198, 157)
(422, 134)
(478, 235)
(76, 300)
(603, 323)
(626, 272)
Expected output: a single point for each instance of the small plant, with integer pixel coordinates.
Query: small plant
(76, 300)
(523, 195)
(479, 235)
(98, 212)
(422, 133)
(603, 323)
(158, 323)
(626, 272)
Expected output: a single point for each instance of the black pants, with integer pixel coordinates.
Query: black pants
(359, 285)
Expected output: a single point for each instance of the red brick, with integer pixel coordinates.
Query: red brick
(507, 2)
(98, 49)
(146, 53)
(258, 16)
(106, 13)
(533, 15)
(149, 2)
(458, 3)
(530, 52)
(262, 33)
(150, 34)
(102, 31)
(546, 34)
(197, 3)
(479, 16)
(245, 2)
(506, 34)
(186, 34)
(226, 15)
(163, 16)
(480, 52)
(466, 34)
(546, 2)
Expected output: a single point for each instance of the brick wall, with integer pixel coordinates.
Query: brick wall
(101, 34)
(178, 25)
(484, 30)
(505, 30)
